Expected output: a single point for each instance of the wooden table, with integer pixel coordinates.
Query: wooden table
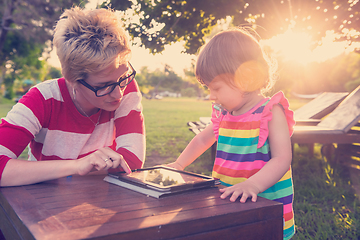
(90, 208)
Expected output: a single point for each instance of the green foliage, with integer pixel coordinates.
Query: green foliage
(21, 52)
(351, 85)
(188, 92)
(163, 22)
(25, 27)
(167, 80)
(23, 61)
(18, 49)
(31, 22)
(53, 73)
(9, 93)
(333, 75)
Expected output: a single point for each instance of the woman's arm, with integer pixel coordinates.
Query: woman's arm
(130, 127)
(274, 169)
(197, 146)
(22, 172)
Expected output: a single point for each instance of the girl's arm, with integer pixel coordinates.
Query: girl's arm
(197, 146)
(274, 170)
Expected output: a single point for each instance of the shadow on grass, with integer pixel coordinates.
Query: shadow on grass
(325, 204)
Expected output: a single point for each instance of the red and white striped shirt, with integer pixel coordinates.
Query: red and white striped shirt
(47, 118)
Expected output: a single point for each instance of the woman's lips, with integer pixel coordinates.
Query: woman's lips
(115, 102)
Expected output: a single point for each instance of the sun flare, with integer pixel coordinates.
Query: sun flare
(296, 46)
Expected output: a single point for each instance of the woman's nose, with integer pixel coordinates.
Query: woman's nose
(117, 93)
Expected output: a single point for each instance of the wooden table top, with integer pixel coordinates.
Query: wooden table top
(89, 208)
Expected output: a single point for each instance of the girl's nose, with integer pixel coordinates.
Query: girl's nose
(212, 96)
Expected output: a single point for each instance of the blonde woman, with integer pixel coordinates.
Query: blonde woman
(91, 119)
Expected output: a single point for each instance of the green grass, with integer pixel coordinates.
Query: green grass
(167, 133)
(325, 205)
(166, 123)
(5, 106)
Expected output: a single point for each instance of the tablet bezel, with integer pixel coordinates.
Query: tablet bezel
(206, 181)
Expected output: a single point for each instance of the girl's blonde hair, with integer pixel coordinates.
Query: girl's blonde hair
(236, 53)
(89, 41)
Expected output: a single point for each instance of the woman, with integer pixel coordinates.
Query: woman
(89, 120)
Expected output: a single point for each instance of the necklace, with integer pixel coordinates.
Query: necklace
(82, 110)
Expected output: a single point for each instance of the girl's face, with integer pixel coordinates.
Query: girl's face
(232, 98)
(110, 102)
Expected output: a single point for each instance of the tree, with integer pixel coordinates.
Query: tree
(25, 27)
(23, 60)
(152, 83)
(192, 82)
(32, 19)
(163, 22)
(28, 22)
(142, 79)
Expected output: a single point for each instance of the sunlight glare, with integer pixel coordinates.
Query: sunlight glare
(295, 46)
(292, 46)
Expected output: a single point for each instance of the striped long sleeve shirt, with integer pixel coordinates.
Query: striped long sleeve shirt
(46, 120)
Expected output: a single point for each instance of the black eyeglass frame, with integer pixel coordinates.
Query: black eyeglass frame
(113, 85)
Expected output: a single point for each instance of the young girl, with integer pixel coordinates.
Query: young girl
(253, 132)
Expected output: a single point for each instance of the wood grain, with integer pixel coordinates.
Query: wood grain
(90, 208)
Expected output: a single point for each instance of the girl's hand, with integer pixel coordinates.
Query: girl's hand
(247, 189)
(175, 165)
(102, 159)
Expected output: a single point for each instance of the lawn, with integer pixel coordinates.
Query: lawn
(167, 133)
(324, 203)
(5, 106)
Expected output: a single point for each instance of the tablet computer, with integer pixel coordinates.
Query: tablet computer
(165, 179)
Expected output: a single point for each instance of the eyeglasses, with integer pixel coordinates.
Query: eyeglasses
(105, 90)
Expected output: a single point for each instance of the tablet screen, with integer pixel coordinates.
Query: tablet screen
(164, 178)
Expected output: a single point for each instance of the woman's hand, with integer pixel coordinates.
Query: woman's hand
(246, 189)
(175, 165)
(102, 159)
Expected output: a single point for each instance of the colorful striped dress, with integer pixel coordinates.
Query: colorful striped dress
(243, 149)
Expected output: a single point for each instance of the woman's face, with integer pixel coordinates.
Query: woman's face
(110, 102)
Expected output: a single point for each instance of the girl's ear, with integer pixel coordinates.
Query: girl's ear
(250, 76)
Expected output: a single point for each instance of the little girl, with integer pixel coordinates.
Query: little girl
(253, 132)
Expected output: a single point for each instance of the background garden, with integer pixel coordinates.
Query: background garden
(325, 204)
(316, 44)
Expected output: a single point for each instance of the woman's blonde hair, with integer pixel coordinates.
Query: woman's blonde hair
(89, 41)
(237, 55)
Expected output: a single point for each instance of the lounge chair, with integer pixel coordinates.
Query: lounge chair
(319, 107)
(337, 127)
(310, 113)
